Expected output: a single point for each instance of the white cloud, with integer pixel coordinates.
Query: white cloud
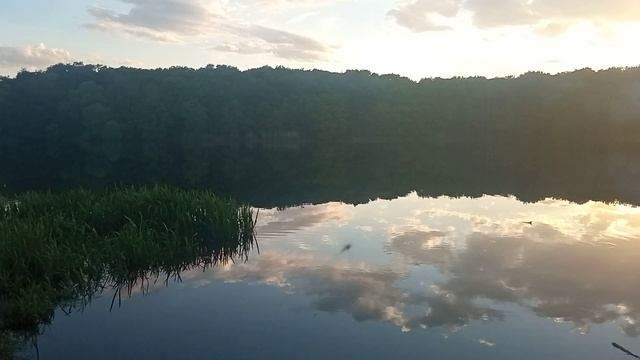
(279, 43)
(32, 56)
(166, 20)
(549, 17)
(420, 16)
(193, 21)
(294, 3)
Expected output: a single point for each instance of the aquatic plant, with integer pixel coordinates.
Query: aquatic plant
(58, 249)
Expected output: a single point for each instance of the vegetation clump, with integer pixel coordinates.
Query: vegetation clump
(59, 249)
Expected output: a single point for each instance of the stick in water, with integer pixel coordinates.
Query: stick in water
(619, 347)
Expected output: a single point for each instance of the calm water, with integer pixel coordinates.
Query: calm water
(411, 278)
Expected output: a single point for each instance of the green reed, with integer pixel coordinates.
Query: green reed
(58, 249)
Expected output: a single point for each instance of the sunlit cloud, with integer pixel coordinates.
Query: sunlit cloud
(578, 267)
(273, 223)
(197, 22)
(32, 56)
(422, 247)
(547, 17)
(287, 4)
(367, 293)
(552, 279)
(573, 264)
(545, 266)
(279, 43)
(420, 16)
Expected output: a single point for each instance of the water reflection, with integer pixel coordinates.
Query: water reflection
(581, 283)
(573, 263)
(293, 219)
(450, 265)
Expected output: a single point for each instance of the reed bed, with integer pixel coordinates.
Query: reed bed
(58, 249)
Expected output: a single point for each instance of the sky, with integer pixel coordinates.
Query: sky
(413, 38)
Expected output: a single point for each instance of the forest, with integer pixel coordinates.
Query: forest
(278, 136)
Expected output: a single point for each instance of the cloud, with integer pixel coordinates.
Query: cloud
(420, 16)
(580, 270)
(294, 3)
(32, 56)
(293, 219)
(193, 21)
(578, 266)
(367, 293)
(552, 278)
(280, 43)
(420, 247)
(176, 16)
(245, 48)
(552, 28)
(550, 17)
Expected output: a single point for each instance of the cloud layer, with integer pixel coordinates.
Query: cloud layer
(194, 21)
(548, 17)
(575, 264)
(32, 56)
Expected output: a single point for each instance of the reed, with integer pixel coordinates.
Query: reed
(58, 249)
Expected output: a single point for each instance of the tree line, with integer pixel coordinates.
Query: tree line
(281, 136)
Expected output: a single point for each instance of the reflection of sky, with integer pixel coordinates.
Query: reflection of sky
(457, 271)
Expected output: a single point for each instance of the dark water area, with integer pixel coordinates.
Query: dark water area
(490, 277)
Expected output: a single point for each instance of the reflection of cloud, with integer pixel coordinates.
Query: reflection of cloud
(575, 263)
(578, 283)
(590, 221)
(452, 312)
(366, 293)
(292, 219)
(486, 342)
(422, 247)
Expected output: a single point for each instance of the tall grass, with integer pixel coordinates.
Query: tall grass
(59, 249)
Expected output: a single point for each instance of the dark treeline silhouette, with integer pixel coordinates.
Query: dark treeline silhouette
(281, 136)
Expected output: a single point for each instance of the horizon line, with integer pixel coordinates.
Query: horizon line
(344, 72)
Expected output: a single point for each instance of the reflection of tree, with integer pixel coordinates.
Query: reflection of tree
(279, 136)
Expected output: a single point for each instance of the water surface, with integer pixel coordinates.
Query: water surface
(411, 278)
